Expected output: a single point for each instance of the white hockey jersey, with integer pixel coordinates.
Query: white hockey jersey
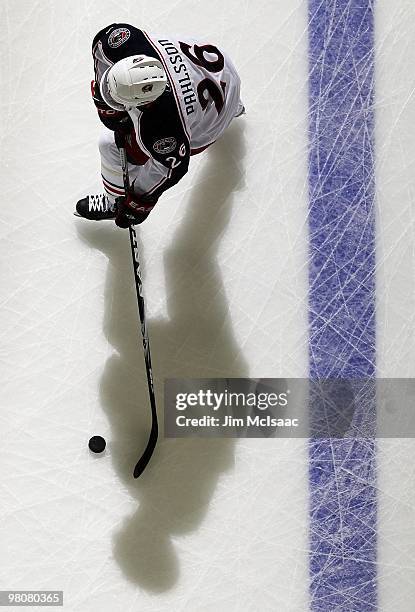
(206, 86)
(202, 98)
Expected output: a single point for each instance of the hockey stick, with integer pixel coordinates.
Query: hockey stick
(152, 440)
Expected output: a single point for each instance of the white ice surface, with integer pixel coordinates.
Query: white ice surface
(211, 526)
(395, 178)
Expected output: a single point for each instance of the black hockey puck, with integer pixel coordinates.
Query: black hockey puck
(97, 444)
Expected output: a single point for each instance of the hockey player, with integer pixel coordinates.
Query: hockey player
(164, 99)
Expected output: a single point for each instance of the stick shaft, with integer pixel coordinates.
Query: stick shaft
(152, 441)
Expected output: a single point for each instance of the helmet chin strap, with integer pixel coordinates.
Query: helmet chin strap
(143, 105)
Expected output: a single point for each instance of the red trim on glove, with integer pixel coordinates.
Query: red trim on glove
(132, 201)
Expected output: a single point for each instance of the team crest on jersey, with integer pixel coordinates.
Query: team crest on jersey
(165, 145)
(118, 37)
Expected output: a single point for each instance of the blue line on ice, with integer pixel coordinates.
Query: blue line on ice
(342, 474)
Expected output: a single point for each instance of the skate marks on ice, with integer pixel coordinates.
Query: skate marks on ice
(196, 341)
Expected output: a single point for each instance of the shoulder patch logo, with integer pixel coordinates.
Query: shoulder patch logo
(165, 145)
(118, 37)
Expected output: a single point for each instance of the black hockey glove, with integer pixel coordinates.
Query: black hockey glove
(127, 139)
(122, 129)
(130, 211)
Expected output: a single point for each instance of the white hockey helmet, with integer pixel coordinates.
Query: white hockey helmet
(134, 80)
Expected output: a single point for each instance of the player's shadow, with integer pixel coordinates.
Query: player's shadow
(195, 341)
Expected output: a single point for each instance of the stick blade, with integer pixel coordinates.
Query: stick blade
(148, 452)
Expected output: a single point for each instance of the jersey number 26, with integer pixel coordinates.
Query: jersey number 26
(207, 86)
